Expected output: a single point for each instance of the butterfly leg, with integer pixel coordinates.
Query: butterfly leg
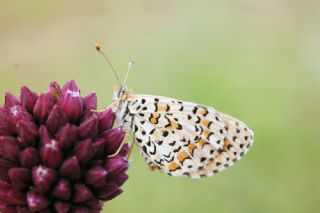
(117, 152)
(112, 105)
(154, 168)
(131, 147)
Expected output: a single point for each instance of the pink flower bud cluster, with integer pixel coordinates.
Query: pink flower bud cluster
(55, 152)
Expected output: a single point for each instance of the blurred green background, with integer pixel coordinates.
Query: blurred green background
(253, 59)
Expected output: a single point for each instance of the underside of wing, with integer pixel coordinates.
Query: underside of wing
(183, 138)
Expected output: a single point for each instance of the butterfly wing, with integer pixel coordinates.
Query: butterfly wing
(184, 138)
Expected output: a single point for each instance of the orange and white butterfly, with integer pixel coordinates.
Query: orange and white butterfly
(181, 138)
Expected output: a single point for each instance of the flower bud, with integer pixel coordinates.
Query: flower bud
(7, 208)
(55, 90)
(89, 128)
(17, 114)
(94, 204)
(22, 209)
(71, 102)
(16, 197)
(5, 166)
(81, 209)
(36, 202)
(70, 86)
(67, 136)
(44, 134)
(113, 139)
(9, 148)
(28, 132)
(5, 121)
(20, 178)
(81, 193)
(12, 196)
(99, 147)
(106, 119)
(96, 177)
(90, 102)
(28, 98)
(84, 151)
(62, 190)
(116, 165)
(50, 154)
(109, 191)
(43, 178)
(125, 150)
(56, 120)
(29, 158)
(10, 101)
(120, 179)
(42, 108)
(70, 168)
(62, 207)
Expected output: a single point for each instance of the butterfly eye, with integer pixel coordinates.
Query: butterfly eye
(121, 91)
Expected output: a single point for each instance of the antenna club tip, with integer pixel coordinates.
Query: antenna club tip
(97, 46)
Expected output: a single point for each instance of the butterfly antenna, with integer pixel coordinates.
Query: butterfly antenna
(98, 48)
(130, 64)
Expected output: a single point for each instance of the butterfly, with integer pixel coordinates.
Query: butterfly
(181, 138)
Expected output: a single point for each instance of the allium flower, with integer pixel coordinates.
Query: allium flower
(55, 152)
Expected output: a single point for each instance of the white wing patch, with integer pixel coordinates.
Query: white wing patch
(183, 138)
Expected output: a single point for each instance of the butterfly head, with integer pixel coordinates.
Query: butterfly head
(120, 93)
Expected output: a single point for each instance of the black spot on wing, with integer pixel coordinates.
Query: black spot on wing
(167, 156)
(135, 128)
(187, 144)
(154, 150)
(179, 127)
(211, 133)
(160, 162)
(198, 120)
(168, 108)
(177, 149)
(144, 149)
(159, 142)
(195, 109)
(206, 111)
(165, 133)
(169, 160)
(152, 131)
(172, 143)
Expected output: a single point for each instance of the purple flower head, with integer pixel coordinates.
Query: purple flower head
(54, 152)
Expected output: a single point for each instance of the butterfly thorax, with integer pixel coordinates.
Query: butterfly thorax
(122, 98)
